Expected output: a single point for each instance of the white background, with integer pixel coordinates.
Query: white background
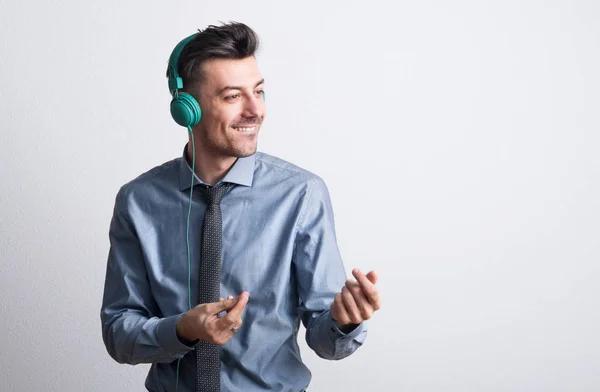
(459, 141)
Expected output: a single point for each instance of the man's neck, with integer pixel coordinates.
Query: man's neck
(209, 168)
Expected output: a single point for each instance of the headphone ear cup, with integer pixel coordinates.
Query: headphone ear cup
(185, 110)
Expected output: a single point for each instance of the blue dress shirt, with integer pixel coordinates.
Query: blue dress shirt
(279, 244)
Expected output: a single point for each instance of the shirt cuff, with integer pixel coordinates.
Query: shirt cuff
(167, 336)
(335, 333)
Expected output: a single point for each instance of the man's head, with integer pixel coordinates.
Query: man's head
(219, 70)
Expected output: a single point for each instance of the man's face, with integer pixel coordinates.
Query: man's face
(233, 108)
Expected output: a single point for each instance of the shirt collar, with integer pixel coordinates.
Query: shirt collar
(241, 173)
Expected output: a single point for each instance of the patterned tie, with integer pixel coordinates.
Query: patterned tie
(208, 362)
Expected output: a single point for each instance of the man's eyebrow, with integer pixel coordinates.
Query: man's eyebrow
(221, 91)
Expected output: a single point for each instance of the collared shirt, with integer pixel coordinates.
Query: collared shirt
(279, 244)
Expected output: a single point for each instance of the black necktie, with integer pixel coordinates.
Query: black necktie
(208, 362)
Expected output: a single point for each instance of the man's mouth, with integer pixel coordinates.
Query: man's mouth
(245, 129)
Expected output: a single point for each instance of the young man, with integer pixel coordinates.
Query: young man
(253, 229)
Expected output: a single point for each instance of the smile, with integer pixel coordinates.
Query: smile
(245, 129)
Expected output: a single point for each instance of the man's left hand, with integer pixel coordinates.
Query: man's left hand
(357, 301)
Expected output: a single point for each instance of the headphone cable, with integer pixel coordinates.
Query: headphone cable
(187, 240)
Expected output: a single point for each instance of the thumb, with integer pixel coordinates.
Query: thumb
(372, 276)
(221, 305)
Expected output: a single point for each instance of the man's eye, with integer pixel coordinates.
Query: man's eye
(259, 92)
(230, 97)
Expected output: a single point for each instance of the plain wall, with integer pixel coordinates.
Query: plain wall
(459, 140)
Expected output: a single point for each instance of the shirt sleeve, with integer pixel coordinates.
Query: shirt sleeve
(132, 330)
(320, 275)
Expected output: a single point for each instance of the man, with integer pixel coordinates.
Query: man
(268, 242)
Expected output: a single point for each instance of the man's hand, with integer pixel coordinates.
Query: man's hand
(202, 321)
(357, 301)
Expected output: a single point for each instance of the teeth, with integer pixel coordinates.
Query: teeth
(245, 129)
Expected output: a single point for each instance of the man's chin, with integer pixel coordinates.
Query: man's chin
(248, 153)
(243, 152)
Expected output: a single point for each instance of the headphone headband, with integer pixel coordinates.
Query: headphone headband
(175, 81)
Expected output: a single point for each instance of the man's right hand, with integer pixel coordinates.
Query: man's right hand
(202, 321)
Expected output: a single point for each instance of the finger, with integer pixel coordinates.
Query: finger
(339, 312)
(364, 306)
(234, 316)
(351, 306)
(221, 305)
(368, 279)
(239, 306)
(373, 276)
(368, 287)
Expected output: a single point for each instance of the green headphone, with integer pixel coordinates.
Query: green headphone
(185, 110)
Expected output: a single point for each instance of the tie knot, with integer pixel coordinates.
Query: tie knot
(213, 194)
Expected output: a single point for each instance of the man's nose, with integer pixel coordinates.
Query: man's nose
(254, 107)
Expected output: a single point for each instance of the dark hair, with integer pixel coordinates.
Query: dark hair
(230, 41)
